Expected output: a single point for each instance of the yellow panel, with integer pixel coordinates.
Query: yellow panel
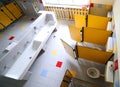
(75, 33)
(1, 27)
(67, 79)
(8, 13)
(14, 9)
(80, 21)
(64, 84)
(73, 73)
(97, 22)
(68, 74)
(93, 54)
(4, 19)
(68, 49)
(18, 7)
(96, 36)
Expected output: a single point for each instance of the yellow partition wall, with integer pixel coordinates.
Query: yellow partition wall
(93, 54)
(80, 20)
(1, 26)
(20, 10)
(96, 36)
(97, 22)
(13, 8)
(4, 19)
(67, 79)
(64, 84)
(75, 33)
(68, 49)
(8, 13)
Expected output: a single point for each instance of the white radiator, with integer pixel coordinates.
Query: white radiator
(66, 13)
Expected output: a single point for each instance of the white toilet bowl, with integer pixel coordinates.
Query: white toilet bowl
(93, 72)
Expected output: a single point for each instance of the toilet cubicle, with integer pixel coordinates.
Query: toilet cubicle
(88, 34)
(92, 21)
(105, 39)
(91, 49)
(80, 21)
(97, 22)
(9, 13)
(69, 81)
(94, 34)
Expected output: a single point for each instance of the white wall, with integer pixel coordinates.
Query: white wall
(116, 13)
(66, 2)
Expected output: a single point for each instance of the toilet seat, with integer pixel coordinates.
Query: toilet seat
(93, 72)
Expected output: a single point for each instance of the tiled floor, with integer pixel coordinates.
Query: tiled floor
(49, 68)
(15, 30)
(45, 73)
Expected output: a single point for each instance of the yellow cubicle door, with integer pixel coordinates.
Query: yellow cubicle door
(64, 84)
(14, 9)
(20, 10)
(7, 12)
(68, 49)
(1, 26)
(80, 20)
(67, 79)
(96, 36)
(4, 19)
(93, 54)
(75, 33)
(98, 22)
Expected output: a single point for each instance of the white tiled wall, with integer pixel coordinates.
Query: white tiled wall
(116, 13)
